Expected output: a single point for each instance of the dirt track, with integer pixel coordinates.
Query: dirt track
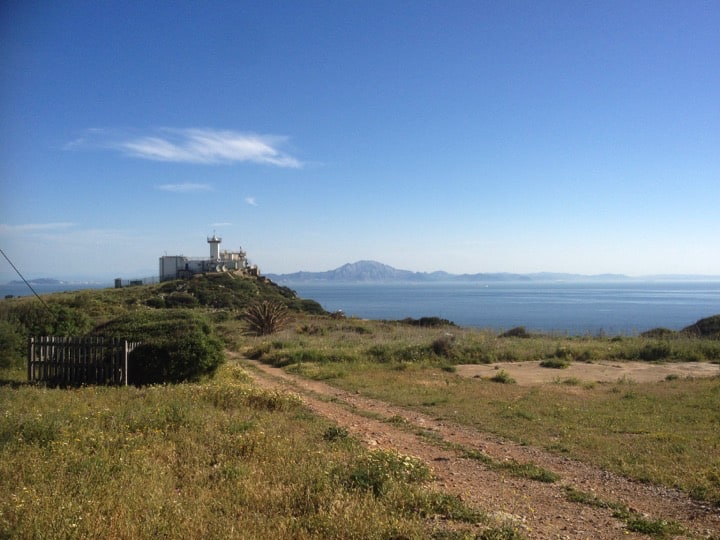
(541, 510)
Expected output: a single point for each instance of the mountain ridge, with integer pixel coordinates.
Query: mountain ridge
(367, 271)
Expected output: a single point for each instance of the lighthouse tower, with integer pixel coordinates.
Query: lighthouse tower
(214, 242)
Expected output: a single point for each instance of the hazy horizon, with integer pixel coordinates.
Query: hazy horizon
(108, 278)
(463, 136)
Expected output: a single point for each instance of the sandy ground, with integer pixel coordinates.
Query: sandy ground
(527, 373)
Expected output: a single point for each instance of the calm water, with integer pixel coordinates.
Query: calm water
(575, 308)
(22, 289)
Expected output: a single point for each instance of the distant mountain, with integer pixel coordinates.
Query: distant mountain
(358, 271)
(376, 272)
(38, 281)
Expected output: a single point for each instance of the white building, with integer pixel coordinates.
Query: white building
(181, 267)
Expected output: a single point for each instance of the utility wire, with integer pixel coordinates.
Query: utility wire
(23, 278)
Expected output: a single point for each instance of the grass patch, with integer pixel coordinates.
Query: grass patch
(555, 363)
(503, 377)
(634, 521)
(528, 470)
(200, 460)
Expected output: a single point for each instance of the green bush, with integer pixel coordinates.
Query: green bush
(181, 299)
(518, 331)
(555, 363)
(655, 351)
(12, 344)
(503, 377)
(49, 319)
(427, 322)
(443, 346)
(177, 345)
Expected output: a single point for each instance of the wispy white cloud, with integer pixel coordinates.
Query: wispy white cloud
(193, 145)
(34, 227)
(187, 187)
(221, 224)
(251, 201)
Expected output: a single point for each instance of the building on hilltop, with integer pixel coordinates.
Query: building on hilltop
(181, 267)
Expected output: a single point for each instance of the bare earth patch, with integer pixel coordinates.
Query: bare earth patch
(539, 510)
(527, 373)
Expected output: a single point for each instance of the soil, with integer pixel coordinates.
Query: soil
(528, 373)
(540, 510)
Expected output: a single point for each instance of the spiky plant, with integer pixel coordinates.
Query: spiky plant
(265, 317)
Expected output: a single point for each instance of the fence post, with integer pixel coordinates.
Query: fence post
(30, 355)
(125, 369)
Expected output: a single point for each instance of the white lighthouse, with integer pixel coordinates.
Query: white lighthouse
(214, 242)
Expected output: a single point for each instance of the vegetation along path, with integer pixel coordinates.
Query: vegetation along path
(544, 495)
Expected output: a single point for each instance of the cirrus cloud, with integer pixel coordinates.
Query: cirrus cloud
(193, 145)
(6, 228)
(186, 187)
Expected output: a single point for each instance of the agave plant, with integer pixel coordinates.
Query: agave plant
(265, 318)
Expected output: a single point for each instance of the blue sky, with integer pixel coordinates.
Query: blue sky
(479, 136)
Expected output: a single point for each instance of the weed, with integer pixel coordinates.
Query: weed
(555, 363)
(377, 469)
(569, 381)
(335, 433)
(528, 470)
(658, 528)
(503, 377)
(433, 503)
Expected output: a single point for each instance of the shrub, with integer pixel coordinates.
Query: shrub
(518, 331)
(427, 322)
(12, 344)
(555, 363)
(503, 377)
(47, 319)
(157, 302)
(181, 299)
(655, 351)
(265, 318)
(443, 346)
(177, 345)
(563, 353)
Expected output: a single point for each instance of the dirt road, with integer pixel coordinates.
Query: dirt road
(541, 510)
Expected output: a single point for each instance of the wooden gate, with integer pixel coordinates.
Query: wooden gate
(72, 361)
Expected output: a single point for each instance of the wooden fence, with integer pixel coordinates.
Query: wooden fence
(71, 361)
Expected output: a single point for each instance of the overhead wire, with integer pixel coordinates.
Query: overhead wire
(25, 280)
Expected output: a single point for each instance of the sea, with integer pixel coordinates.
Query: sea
(20, 289)
(572, 308)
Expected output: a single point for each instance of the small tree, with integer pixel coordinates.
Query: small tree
(265, 318)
